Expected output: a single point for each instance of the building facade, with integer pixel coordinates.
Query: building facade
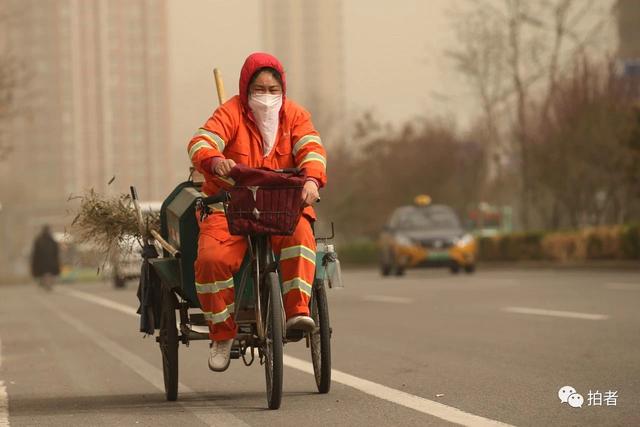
(308, 39)
(92, 104)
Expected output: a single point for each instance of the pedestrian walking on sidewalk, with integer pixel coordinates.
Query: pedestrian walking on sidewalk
(45, 259)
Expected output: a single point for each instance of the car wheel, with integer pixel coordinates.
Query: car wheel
(454, 268)
(399, 271)
(119, 282)
(385, 270)
(470, 268)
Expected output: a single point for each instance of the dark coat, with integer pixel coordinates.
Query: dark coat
(45, 256)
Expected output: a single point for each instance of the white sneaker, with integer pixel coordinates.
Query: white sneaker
(303, 323)
(220, 355)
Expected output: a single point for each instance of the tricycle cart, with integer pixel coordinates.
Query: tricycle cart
(170, 303)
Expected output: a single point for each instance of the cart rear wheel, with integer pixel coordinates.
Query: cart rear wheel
(273, 340)
(385, 269)
(454, 268)
(119, 282)
(321, 338)
(168, 340)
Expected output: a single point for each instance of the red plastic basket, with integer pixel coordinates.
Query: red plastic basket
(263, 210)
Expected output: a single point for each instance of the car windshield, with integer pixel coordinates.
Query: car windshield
(424, 218)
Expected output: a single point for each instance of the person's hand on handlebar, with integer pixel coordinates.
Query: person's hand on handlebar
(310, 193)
(223, 167)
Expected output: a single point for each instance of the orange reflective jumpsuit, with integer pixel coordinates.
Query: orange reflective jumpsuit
(232, 133)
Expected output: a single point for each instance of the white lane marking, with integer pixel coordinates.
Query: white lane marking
(555, 313)
(417, 403)
(101, 301)
(387, 299)
(211, 415)
(120, 307)
(4, 398)
(623, 286)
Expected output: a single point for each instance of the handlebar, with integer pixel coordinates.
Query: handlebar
(294, 171)
(216, 198)
(222, 196)
(202, 203)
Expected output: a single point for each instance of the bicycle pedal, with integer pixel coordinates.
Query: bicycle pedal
(245, 329)
(235, 353)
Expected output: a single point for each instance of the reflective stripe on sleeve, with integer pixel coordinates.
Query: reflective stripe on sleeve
(197, 147)
(307, 139)
(314, 157)
(211, 137)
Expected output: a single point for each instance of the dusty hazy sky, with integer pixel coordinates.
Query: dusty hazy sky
(394, 61)
(204, 34)
(394, 58)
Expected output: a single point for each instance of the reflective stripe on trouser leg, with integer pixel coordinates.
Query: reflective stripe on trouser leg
(219, 258)
(297, 267)
(214, 297)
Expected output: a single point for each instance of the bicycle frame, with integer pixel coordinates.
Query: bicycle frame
(259, 312)
(261, 263)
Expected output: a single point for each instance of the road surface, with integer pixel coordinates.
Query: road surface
(427, 349)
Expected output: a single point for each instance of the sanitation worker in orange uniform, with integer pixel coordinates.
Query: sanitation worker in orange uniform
(260, 127)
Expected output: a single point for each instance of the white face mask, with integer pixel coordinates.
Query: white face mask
(266, 111)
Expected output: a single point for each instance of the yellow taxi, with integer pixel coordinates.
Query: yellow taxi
(425, 235)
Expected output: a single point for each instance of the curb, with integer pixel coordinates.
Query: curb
(573, 265)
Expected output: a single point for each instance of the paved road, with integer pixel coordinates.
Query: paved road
(428, 349)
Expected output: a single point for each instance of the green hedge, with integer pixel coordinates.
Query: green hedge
(358, 253)
(600, 243)
(596, 243)
(512, 247)
(630, 241)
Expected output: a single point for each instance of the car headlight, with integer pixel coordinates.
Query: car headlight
(403, 240)
(464, 240)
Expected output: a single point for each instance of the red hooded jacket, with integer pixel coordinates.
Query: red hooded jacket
(232, 133)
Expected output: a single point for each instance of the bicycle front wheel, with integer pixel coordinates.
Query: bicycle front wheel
(273, 345)
(321, 338)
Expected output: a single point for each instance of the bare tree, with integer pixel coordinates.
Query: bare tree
(513, 54)
(393, 166)
(481, 59)
(586, 153)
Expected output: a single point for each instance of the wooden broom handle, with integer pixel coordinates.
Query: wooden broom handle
(217, 75)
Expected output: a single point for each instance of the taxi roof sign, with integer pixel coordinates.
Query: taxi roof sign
(422, 200)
